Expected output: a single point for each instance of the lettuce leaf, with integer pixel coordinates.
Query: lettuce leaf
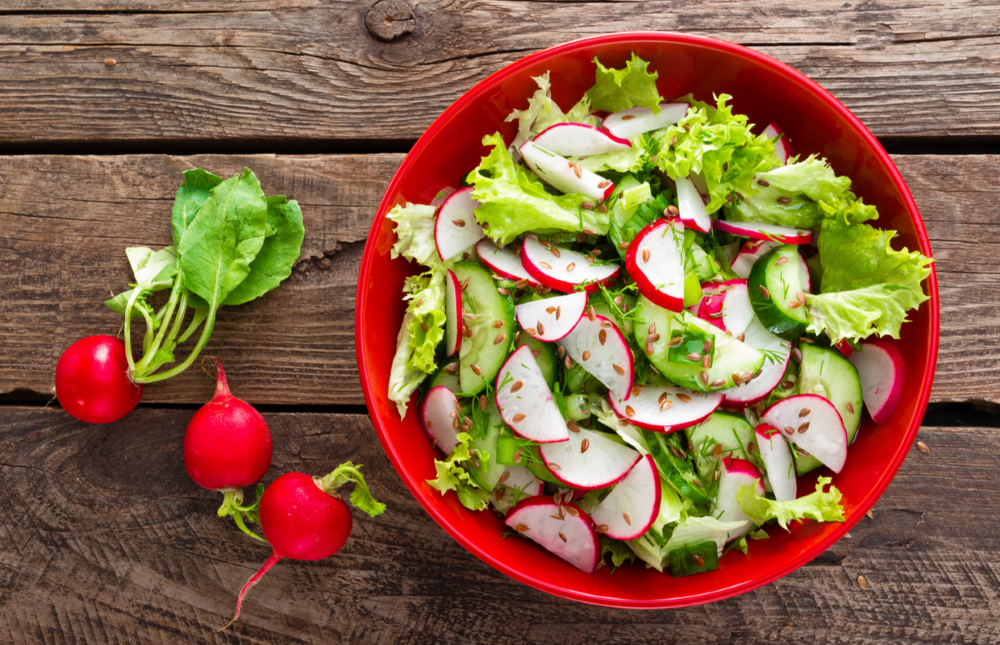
(421, 331)
(820, 506)
(620, 89)
(717, 144)
(620, 552)
(415, 234)
(867, 287)
(514, 201)
(451, 475)
(543, 112)
(812, 192)
(695, 530)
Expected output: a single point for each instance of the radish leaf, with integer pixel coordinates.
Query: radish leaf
(190, 198)
(278, 254)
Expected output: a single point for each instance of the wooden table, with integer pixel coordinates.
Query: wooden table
(103, 537)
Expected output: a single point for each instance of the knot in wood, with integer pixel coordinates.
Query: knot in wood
(390, 20)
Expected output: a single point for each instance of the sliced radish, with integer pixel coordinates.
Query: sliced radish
(563, 269)
(777, 457)
(726, 305)
(656, 263)
(637, 120)
(562, 529)
(452, 315)
(734, 474)
(777, 354)
(813, 424)
(589, 460)
(576, 139)
(698, 179)
(804, 277)
(505, 262)
(456, 228)
(599, 347)
(752, 250)
(551, 319)
(516, 483)
(846, 349)
(564, 175)
(436, 417)
(881, 370)
(772, 232)
(781, 146)
(691, 206)
(629, 510)
(525, 400)
(665, 409)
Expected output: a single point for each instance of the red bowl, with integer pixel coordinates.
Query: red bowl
(764, 89)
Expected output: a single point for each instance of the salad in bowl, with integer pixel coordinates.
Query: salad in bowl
(637, 322)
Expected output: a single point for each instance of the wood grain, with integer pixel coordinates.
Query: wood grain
(67, 220)
(281, 74)
(105, 539)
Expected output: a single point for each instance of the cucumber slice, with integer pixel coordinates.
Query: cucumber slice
(577, 406)
(730, 357)
(826, 372)
(654, 319)
(579, 380)
(545, 355)
(601, 308)
(665, 450)
(446, 379)
(538, 468)
(774, 284)
(481, 352)
(685, 560)
(733, 432)
(487, 473)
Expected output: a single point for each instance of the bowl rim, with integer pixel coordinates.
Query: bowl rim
(791, 74)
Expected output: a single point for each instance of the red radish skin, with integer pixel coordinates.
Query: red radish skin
(881, 370)
(768, 232)
(227, 444)
(304, 519)
(782, 147)
(92, 381)
(660, 274)
(576, 139)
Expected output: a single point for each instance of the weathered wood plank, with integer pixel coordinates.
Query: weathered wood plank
(283, 73)
(63, 253)
(105, 539)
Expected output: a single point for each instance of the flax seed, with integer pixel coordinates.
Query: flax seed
(502, 291)
(584, 445)
(521, 528)
(500, 339)
(922, 447)
(602, 528)
(560, 351)
(801, 297)
(674, 342)
(623, 245)
(604, 184)
(516, 386)
(652, 338)
(764, 292)
(541, 328)
(536, 353)
(628, 518)
(602, 337)
(703, 377)
(572, 511)
(684, 398)
(850, 406)
(794, 304)
(573, 427)
(451, 368)
(627, 117)
(645, 255)
(545, 265)
(789, 430)
(649, 347)
(554, 467)
(784, 201)
(607, 324)
(763, 183)
(568, 362)
(619, 369)
(862, 582)
(673, 210)
(518, 418)
(578, 171)
(804, 412)
(706, 361)
(717, 451)
(591, 314)
(571, 266)
(803, 427)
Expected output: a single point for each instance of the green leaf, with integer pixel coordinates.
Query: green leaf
(119, 302)
(620, 89)
(867, 287)
(277, 256)
(451, 473)
(361, 496)
(820, 506)
(695, 530)
(415, 346)
(543, 112)
(718, 145)
(514, 201)
(620, 552)
(415, 234)
(224, 238)
(190, 198)
(473, 498)
(153, 270)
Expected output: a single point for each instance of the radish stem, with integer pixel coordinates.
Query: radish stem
(205, 333)
(143, 365)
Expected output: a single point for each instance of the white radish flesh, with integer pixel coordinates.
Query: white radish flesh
(564, 175)
(599, 347)
(525, 401)
(734, 474)
(656, 264)
(745, 259)
(630, 509)
(781, 146)
(813, 424)
(562, 529)
(770, 232)
(637, 120)
(576, 139)
(452, 315)
(551, 319)
(691, 207)
(881, 370)
(516, 484)
(777, 458)
(504, 262)
(777, 354)
(726, 305)
(456, 228)
(563, 269)
(440, 415)
(665, 409)
(589, 460)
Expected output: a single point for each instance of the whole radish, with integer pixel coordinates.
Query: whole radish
(227, 446)
(92, 381)
(304, 518)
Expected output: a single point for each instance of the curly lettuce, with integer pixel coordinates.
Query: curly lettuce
(452, 475)
(514, 201)
(620, 89)
(719, 146)
(809, 192)
(543, 112)
(423, 323)
(822, 506)
(867, 287)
